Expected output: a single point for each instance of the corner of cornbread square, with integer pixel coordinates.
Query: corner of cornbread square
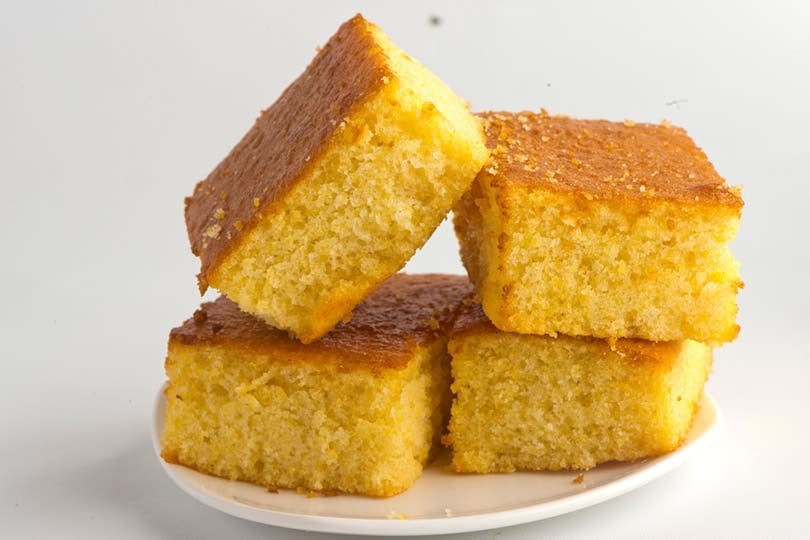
(358, 411)
(526, 402)
(335, 186)
(597, 228)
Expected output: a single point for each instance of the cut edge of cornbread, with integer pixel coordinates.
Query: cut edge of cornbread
(479, 228)
(358, 411)
(527, 402)
(558, 265)
(545, 259)
(367, 199)
(308, 425)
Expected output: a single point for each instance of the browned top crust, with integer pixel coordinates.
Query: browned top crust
(471, 320)
(601, 159)
(404, 311)
(285, 141)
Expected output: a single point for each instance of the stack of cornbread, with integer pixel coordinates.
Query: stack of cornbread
(599, 252)
(321, 369)
(600, 278)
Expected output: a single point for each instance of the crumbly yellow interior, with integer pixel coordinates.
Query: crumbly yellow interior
(539, 403)
(266, 420)
(392, 172)
(545, 262)
(479, 229)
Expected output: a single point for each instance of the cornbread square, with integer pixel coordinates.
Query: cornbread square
(335, 186)
(596, 228)
(526, 402)
(358, 411)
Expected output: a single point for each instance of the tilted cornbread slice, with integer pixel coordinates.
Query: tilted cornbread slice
(596, 228)
(525, 402)
(357, 411)
(335, 186)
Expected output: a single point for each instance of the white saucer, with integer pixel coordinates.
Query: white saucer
(439, 502)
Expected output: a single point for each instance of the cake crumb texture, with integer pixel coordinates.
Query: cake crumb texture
(540, 403)
(335, 186)
(596, 228)
(246, 402)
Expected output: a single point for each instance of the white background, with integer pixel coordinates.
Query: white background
(110, 113)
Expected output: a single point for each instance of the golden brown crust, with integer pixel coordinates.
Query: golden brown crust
(602, 160)
(284, 142)
(404, 311)
(471, 320)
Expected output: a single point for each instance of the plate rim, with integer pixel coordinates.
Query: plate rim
(653, 469)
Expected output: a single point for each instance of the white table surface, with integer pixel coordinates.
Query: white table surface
(110, 113)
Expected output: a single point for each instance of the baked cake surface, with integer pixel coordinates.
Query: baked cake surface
(358, 411)
(597, 228)
(336, 184)
(526, 402)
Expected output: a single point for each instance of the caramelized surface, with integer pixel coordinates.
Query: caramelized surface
(404, 311)
(601, 159)
(284, 142)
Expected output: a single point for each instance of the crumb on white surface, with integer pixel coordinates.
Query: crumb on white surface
(393, 514)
